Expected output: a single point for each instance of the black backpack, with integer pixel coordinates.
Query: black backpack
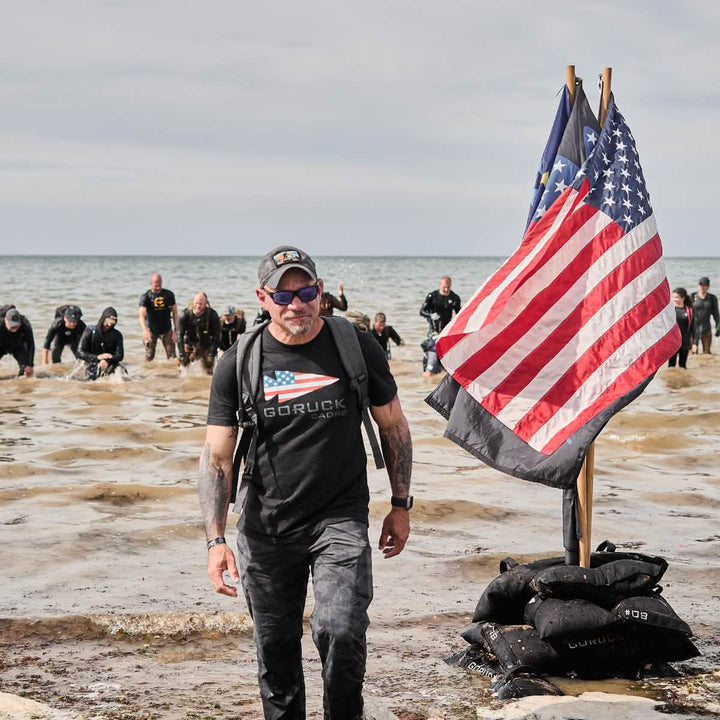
(62, 309)
(248, 368)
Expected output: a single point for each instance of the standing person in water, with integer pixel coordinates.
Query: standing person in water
(705, 308)
(383, 332)
(686, 323)
(328, 302)
(232, 324)
(101, 346)
(439, 305)
(158, 316)
(198, 333)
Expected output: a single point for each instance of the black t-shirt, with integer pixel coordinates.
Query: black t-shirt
(310, 462)
(159, 310)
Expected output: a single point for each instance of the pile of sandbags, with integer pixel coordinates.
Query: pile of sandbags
(549, 618)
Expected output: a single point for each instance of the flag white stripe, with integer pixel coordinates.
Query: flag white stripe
(595, 328)
(519, 302)
(604, 376)
(476, 319)
(507, 363)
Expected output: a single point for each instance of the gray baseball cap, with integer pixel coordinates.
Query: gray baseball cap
(12, 318)
(278, 261)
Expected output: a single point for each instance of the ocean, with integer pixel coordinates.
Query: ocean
(105, 608)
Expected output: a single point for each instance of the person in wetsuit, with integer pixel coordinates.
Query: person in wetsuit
(328, 302)
(705, 307)
(65, 330)
(198, 333)
(158, 315)
(261, 317)
(686, 322)
(439, 305)
(101, 346)
(383, 332)
(16, 339)
(232, 324)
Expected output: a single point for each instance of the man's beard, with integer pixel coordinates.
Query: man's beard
(298, 328)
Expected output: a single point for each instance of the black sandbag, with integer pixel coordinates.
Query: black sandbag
(605, 585)
(602, 655)
(504, 599)
(515, 646)
(519, 684)
(554, 618)
(476, 659)
(626, 647)
(650, 611)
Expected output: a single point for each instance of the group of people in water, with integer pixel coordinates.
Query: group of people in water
(693, 315)
(199, 334)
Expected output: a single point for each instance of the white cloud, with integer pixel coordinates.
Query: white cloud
(399, 125)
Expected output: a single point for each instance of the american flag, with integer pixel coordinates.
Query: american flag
(288, 385)
(573, 325)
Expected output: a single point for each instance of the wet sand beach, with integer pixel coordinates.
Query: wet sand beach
(106, 612)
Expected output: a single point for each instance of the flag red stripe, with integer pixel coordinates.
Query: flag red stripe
(640, 370)
(536, 308)
(528, 244)
(572, 224)
(626, 326)
(535, 361)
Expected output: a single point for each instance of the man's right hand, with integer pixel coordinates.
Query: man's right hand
(221, 559)
(147, 336)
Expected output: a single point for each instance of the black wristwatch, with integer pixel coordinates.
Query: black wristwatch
(406, 503)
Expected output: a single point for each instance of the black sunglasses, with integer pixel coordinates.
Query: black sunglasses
(285, 297)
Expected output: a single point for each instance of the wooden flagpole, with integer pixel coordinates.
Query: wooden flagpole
(605, 99)
(570, 82)
(587, 472)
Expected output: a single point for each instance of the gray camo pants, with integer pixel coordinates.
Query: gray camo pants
(274, 578)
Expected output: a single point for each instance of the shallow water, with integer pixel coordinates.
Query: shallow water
(101, 529)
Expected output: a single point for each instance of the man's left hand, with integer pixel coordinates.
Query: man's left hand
(395, 532)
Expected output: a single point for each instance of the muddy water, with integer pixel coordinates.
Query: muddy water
(104, 604)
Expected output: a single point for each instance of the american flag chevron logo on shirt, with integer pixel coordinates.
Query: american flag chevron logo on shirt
(288, 385)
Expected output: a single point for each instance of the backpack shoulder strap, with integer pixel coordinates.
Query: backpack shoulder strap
(248, 368)
(348, 346)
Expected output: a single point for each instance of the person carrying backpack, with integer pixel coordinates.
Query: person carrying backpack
(301, 387)
(16, 339)
(67, 328)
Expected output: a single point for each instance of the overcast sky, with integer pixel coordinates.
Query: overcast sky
(377, 127)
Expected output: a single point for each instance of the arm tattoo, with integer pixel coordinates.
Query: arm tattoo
(397, 449)
(214, 493)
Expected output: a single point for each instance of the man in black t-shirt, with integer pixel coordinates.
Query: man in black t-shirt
(157, 310)
(303, 500)
(439, 305)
